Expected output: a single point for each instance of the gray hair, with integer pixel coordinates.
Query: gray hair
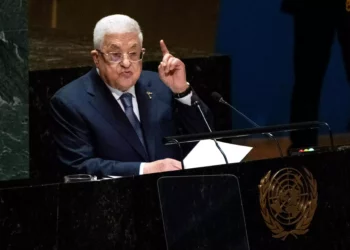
(115, 24)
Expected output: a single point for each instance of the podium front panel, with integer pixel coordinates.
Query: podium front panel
(202, 212)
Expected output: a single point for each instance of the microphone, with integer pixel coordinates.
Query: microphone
(196, 102)
(217, 97)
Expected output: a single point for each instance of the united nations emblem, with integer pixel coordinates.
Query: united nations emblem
(288, 201)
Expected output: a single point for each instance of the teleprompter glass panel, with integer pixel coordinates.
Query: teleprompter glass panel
(202, 212)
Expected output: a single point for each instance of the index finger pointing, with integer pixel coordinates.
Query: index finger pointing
(163, 47)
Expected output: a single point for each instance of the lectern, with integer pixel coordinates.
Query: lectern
(298, 202)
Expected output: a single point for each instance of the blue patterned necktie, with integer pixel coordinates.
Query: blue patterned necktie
(126, 100)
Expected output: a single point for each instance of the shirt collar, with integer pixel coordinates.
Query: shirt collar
(117, 93)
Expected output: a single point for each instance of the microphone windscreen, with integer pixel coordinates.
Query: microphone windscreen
(216, 96)
(195, 99)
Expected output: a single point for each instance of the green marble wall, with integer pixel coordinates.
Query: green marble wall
(14, 150)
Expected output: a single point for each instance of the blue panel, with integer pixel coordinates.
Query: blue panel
(259, 39)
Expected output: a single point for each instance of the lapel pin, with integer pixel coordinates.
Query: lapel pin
(149, 94)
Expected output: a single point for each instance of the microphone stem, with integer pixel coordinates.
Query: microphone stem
(216, 143)
(222, 152)
(255, 124)
(205, 120)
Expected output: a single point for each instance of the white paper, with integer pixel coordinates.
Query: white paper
(112, 177)
(205, 154)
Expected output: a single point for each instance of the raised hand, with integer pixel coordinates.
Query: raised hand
(172, 71)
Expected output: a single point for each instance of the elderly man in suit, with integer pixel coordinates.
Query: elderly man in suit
(111, 121)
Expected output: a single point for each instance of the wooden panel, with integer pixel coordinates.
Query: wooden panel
(189, 24)
(40, 13)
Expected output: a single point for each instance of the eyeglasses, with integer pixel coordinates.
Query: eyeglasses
(117, 57)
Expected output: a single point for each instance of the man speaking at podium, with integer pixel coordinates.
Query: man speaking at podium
(111, 121)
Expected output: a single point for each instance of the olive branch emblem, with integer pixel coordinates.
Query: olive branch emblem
(307, 209)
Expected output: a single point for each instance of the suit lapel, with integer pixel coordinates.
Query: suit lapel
(104, 102)
(146, 99)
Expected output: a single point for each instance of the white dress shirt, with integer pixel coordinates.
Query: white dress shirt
(117, 94)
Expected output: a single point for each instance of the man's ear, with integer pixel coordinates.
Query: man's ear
(94, 55)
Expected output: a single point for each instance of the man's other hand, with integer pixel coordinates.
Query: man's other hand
(161, 166)
(172, 71)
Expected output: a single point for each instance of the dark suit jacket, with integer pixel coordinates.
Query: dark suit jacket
(94, 136)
